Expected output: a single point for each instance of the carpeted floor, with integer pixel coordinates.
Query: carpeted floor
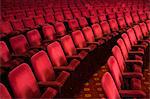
(93, 89)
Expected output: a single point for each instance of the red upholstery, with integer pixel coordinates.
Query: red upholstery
(59, 16)
(68, 15)
(148, 25)
(70, 50)
(49, 32)
(129, 20)
(144, 29)
(58, 59)
(83, 22)
(39, 20)
(60, 28)
(136, 18)
(109, 87)
(23, 83)
(4, 92)
(105, 27)
(121, 23)
(30, 13)
(73, 24)
(102, 17)
(80, 42)
(113, 25)
(46, 74)
(7, 61)
(49, 18)
(94, 19)
(18, 25)
(29, 23)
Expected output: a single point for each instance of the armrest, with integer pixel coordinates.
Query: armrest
(63, 76)
(74, 64)
(50, 84)
(139, 46)
(132, 93)
(85, 48)
(18, 56)
(96, 43)
(73, 56)
(46, 41)
(132, 75)
(134, 62)
(141, 53)
(36, 47)
(63, 68)
(49, 93)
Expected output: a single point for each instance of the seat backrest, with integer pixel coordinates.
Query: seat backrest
(115, 71)
(68, 45)
(60, 28)
(97, 30)
(132, 36)
(56, 54)
(39, 20)
(126, 41)
(73, 24)
(5, 27)
(17, 25)
(148, 24)
(68, 15)
(102, 17)
(39, 12)
(109, 87)
(119, 57)
(105, 27)
(49, 18)
(28, 22)
(77, 14)
(42, 67)
(4, 54)
(94, 19)
(79, 39)
(85, 13)
(144, 29)
(23, 82)
(138, 32)
(34, 37)
(123, 48)
(143, 16)
(121, 22)
(49, 32)
(112, 16)
(83, 22)
(22, 45)
(136, 18)
(4, 92)
(113, 25)
(129, 20)
(59, 16)
(88, 34)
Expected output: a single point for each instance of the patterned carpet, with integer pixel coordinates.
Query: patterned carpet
(93, 89)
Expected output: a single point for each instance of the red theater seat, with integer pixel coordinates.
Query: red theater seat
(39, 20)
(59, 60)
(49, 18)
(73, 24)
(4, 92)
(24, 84)
(60, 29)
(83, 22)
(29, 23)
(44, 72)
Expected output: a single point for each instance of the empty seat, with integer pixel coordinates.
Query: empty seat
(68, 15)
(4, 92)
(60, 29)
(102, 17)
(83, 22)
(144, 29)
(121, 79)
(29, 23)
(59, 60)
(112, 16)
(49, 32)
(24, 84)
(136, 18)
(7, 60)
(129, 20)
(59, 16)
(39, 12)
(44, 72)
(80, 41)
(89, 36)
(148, 25)
(30, 13)
(77, 14)
(70, 49)
(8, 17)
(35, 40)
(73, 24)
(18, 26)
(122, 23)
(142, 16)
(39, 20)
(22, 47)
(20, 15)
(114, 25)
(93, 19)
(49, 18)
(111, 90)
